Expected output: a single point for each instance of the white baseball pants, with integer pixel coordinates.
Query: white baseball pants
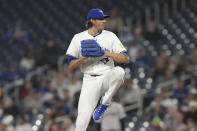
(93, 89)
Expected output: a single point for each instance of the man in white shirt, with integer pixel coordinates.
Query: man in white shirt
(23, 125)
(111, 120)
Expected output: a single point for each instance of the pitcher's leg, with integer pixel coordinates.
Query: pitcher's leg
(114, 80)
(89, 97)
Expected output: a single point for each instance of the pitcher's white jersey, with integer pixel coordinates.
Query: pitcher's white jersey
(96, 65)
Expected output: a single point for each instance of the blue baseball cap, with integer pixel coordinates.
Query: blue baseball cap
(96, 14)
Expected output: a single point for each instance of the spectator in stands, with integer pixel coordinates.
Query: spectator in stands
(61, 84)
(7, 123)
(32, 101)
(15, 79)
(181, 92)
(26, 90)
(113, 119)
(131, 98)
(176, 62)
(126, 37)
(51, 115)
(73, 87)
(155, 124)
(142, 59)
(155, 109)
(50, 100)
(27, 62)
(179, 125)
(18, 34)
(67, 125)
(23, 125)
(163, 55)
(57, 79)
(53, 76)
(60, 105)
(136, 44)
(160, 67)
(168, 80)
(172, 65)
(191, 97)
(133, 51)
(166, 100)
(194, 56)
(49, 54)
(192, 113)
(186, 67)
(170, 118)
(11, 108)
(114, 23)
(55, 127)
(151, 33)
(43, 87)
(64, 103)
(14, 74)
(192, 94)
(156, 100)
(191, 126)
(138, 36)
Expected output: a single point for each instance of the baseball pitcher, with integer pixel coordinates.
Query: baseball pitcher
(94, 52)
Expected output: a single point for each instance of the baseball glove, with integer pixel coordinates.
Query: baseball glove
(90, 48)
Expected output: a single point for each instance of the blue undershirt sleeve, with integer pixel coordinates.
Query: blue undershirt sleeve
(70, 58)
(125, 52)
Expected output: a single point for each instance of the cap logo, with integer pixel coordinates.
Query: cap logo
(101, 11)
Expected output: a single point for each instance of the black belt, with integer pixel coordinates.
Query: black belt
(95, 75)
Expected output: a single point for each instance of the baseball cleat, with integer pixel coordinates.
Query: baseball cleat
(99, 111)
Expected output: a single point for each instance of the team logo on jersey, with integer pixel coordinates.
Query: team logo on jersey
(105, 60)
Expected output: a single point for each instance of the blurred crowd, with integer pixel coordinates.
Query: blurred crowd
(36, 97)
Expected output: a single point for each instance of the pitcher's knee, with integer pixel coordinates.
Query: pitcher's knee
(120, 71)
